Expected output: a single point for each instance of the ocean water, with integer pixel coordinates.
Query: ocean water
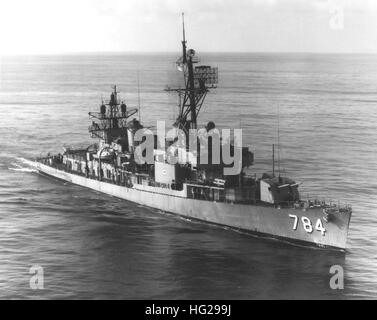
(94, 246)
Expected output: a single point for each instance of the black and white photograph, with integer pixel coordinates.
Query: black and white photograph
(188, 151)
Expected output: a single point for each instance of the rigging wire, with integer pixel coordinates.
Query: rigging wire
(278, 138)
(138, 94)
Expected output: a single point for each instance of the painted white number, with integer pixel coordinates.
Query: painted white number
(307, 224)
(296, 221)
(319, 227)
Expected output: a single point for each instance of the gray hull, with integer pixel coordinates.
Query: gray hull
(308, 226)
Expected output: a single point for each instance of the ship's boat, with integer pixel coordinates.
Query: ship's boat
(199, 173)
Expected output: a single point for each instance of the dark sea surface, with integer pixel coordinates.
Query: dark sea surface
(94, 246)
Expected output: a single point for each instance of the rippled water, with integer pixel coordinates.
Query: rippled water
(94, 246)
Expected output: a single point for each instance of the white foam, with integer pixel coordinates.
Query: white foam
(23, 169)
(26, 161)
(19, 168)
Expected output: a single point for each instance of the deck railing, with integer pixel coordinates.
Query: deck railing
(122, 178)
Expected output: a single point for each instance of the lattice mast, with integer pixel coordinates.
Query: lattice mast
(198, 80)
(111, 122)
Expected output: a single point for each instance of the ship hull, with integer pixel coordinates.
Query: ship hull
(294, 225)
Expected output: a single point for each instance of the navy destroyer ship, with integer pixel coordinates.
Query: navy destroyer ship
(117, 165)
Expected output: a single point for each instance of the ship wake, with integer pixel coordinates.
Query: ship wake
(23, 165)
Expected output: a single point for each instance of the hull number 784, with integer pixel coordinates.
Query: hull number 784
(307, 224)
